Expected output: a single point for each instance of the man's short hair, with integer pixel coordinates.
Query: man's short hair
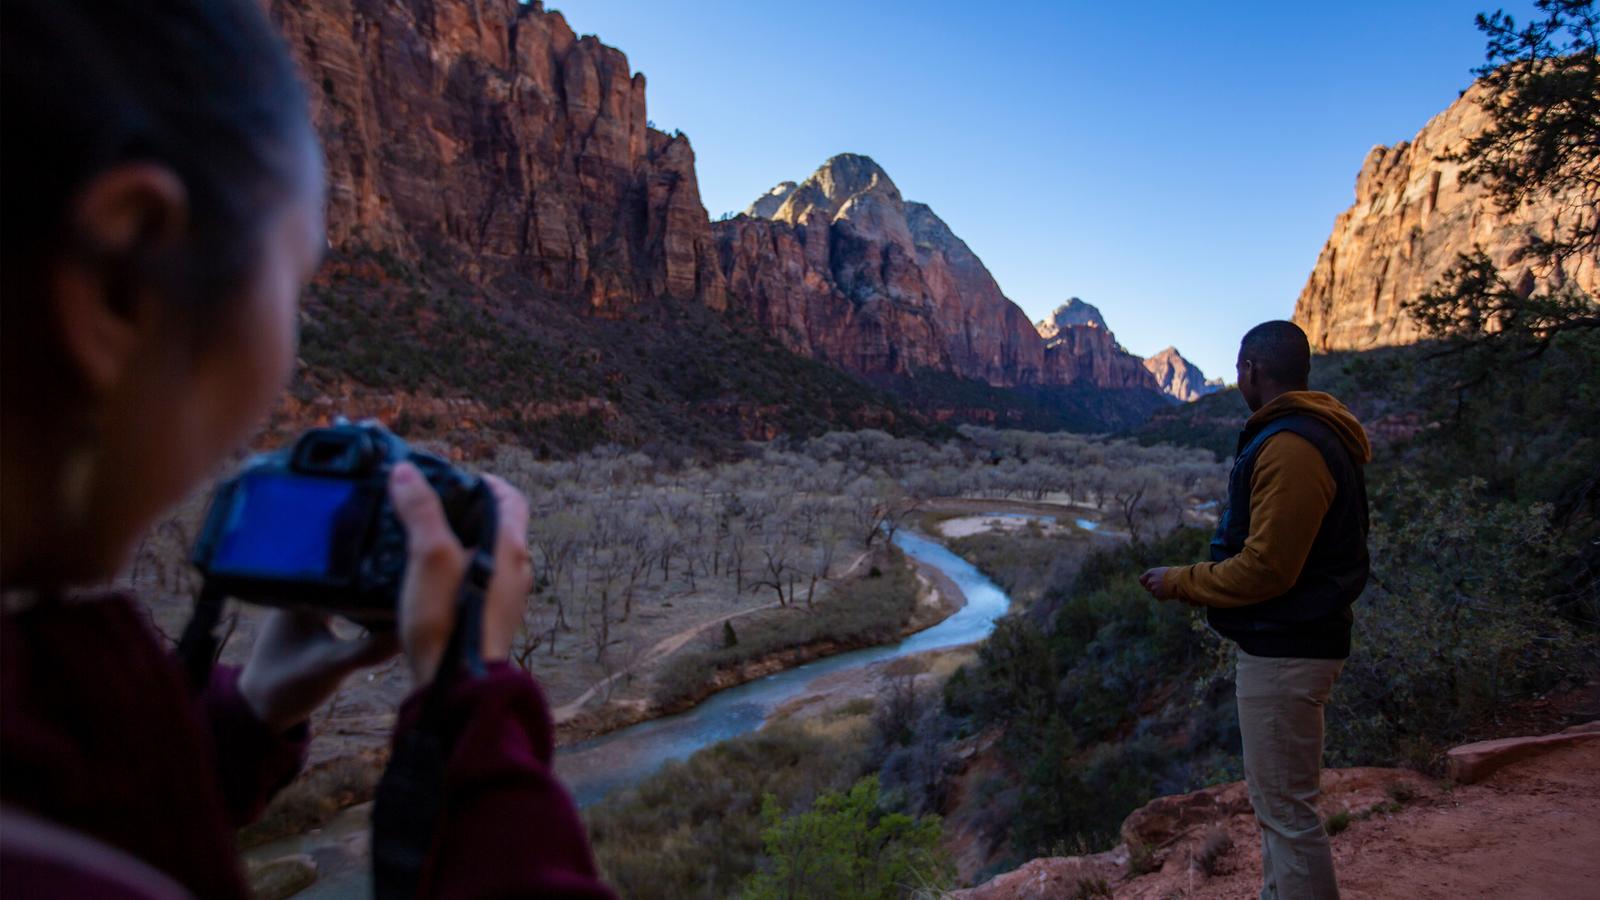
(1279, 350)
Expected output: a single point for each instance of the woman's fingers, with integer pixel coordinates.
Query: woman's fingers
(513, 576)
(435, 564)
(511, 536)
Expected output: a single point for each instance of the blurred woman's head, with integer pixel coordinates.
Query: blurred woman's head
(162, 212)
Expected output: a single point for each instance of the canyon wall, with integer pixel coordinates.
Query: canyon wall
(1411, 219)
(486, 135)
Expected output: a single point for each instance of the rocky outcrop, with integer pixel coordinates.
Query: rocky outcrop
(1079, 347)
(1073, 312)
(1411, 219)
(1527, 830)
(486, 135)
(1470, 763)
(1180, 379)
(840, 267)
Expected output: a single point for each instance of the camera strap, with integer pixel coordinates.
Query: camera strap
(410, 796)
(197, 648)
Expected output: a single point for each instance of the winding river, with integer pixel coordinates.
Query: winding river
(592, 769)
(597, 767)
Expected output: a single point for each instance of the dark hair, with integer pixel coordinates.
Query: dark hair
(1280, 351)
(204, 87)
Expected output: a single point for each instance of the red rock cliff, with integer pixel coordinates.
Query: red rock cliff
(486, 133)
(1410, 220)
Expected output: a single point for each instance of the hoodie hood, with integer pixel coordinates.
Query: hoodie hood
(1326, 408)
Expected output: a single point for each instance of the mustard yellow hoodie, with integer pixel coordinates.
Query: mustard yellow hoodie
(1290, 492)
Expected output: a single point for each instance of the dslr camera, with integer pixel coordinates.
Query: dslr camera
(311, 525)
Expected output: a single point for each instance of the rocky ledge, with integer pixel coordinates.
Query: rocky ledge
(1528, 828)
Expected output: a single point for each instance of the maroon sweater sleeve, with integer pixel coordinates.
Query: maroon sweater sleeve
(253, 763)
(508, 828)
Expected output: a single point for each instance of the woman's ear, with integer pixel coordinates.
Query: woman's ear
(122, 222)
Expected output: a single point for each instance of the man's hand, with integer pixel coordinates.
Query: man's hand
(1156, 582)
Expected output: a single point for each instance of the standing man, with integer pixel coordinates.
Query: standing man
(1288, 559)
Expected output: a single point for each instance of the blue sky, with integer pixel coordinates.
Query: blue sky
(1178, 165)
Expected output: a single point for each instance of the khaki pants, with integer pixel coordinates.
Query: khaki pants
(1280, 719)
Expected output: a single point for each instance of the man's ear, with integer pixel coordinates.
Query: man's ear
(105, 301)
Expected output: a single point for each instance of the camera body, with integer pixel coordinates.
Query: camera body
(312, 526)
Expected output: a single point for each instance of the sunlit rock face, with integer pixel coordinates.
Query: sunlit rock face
(1411, 219)
(487, 135)
(1179, 378)
(1080, 347)
(842, 268)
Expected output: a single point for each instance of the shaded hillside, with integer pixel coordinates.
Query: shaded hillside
(437, 358)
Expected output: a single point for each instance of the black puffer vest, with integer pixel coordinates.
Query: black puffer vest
(1312, 620)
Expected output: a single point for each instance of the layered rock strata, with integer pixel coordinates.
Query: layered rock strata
(1411, 219)
(486, 133)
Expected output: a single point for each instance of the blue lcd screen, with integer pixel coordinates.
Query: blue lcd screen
(292, 526)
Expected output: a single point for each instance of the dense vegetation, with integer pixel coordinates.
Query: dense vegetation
(1118, 698)
(1074, 407)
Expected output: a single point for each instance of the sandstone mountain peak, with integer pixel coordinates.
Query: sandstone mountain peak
(1411, 218)
(1072, 313)
(842, 267)
(1179, 378)
(848, 187)
(769, 203)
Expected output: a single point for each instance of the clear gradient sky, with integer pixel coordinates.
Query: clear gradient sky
(1178, 165)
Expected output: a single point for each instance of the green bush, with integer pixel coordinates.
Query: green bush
(1096, 721)
(846, 847)
(694, 829)
(1461, 616)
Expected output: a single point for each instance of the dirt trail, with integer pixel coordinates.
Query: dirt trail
(670, 644)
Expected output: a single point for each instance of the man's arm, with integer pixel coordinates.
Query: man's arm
(1290, 491)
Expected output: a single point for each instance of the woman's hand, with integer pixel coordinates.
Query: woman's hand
(437, 562)
(298, 662)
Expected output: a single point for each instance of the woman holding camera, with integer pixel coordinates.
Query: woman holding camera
(163, 209)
